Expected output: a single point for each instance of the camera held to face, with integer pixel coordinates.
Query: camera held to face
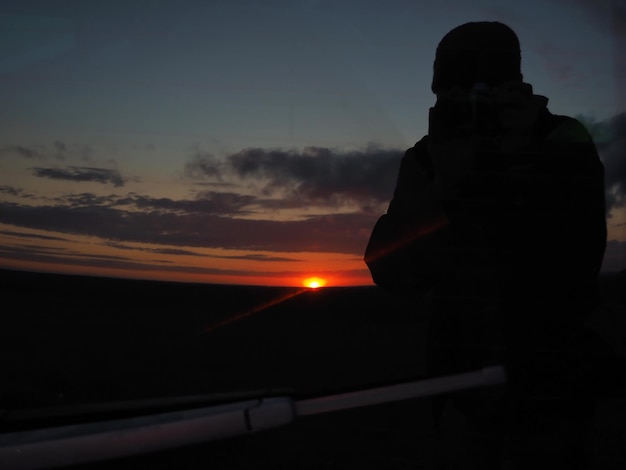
(493, 119)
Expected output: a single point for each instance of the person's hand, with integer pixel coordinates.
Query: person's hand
(517, 111)
(452, 141)
(466, 125)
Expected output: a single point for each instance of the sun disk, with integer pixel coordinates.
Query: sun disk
(314, 282)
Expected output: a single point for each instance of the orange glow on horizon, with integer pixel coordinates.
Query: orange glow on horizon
(83, 256)
(284, 280)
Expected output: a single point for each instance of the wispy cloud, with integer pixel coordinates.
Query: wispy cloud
(164, 251)
(259, 257)
(15, 192)
(207, 202)
(87, 200)
(99, 261)
(30, 153)
(10, 190)
(37, 236)
(181, 252)
(82, 174)
(66, 257)
(56, 150)
(343, 233)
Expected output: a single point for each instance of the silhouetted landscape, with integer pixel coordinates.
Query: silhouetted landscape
(68, 341)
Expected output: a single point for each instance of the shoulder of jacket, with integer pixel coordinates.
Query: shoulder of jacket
(558, 128)
(418, 154)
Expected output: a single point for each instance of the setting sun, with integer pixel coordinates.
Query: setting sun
(314, 282)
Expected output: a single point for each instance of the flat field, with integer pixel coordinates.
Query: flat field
(69, 341)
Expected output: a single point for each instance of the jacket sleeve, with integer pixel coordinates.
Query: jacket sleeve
(404, 253)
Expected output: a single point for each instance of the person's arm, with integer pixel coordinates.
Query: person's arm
(415, 244)
(406, 249)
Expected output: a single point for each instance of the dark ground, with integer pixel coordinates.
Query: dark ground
(77, 340)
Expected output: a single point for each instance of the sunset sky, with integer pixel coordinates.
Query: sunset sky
(253, 141)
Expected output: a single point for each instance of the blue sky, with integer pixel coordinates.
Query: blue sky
(120, 109)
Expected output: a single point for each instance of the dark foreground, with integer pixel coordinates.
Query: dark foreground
(67, 341)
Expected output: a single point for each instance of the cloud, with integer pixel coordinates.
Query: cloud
(610, 138)
(87, 199)
(207, 202)
(82, 174)
(204, 165)
(11, 233)
(259, 257)
(315, 175)
(10, 190)
(66, 257)
(33, 254)
(56, 150)
(181, 252)
(165, 251)
(22, 151)
(16, 192)
(343, 233)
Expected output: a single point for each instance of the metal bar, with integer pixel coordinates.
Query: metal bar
(76, 444)
(484, 377)
(81, 443)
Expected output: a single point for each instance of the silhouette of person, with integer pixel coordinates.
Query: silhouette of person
(498, 217)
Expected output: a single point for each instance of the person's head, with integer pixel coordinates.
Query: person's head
(482, 52)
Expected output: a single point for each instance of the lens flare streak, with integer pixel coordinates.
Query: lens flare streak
(259, 308)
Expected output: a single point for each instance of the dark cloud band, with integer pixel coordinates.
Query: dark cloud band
(315, 175)
(344, 233)
(82, 174)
